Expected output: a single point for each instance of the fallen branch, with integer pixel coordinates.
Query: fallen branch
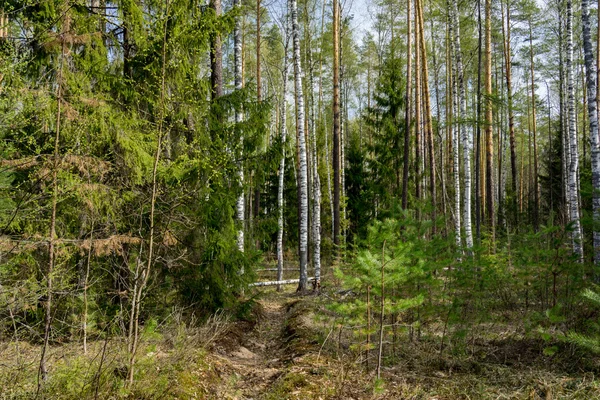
(275, 269)
(273, 283)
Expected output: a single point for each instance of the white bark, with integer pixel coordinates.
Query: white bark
(237, 38)
(455, 149)
(590, 74)
(466, 136)
(316, 218)
(573, 172)
(302, 168)
(283, 133)
(281, 282)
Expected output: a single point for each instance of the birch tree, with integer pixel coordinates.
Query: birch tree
(281, 172)
(301, 145)
(462, 127)
(237, 38)
(573, 165)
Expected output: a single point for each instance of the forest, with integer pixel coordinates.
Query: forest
(299, 199)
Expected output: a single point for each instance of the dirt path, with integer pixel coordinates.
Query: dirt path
(256, 357)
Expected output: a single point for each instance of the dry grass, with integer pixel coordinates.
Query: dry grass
(283, 355)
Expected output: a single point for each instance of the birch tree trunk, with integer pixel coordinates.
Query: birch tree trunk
(283, 133)
(314, 164)
(573, 172)
(592, 104)
(302, 161)
(237, 38)
(454, 150)
(462, 128)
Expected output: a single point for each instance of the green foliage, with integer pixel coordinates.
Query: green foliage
(385, 258)
(591, 340)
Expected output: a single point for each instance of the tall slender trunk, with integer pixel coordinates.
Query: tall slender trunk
(573, 175)
(508, 74)
(237, 39)
(462, 126)
(478, 127)
(428, 121)
(454, 150)
(564, 126)
(43, 369)
(438, 136)
(144, 275)
(302, 159)
(216, 56)
(256, 205)
(418, 126)
(314, 162)
(536, 191)
(408, 111)
(592, 104)
(336, 124)
(489, 143)
(283, 133)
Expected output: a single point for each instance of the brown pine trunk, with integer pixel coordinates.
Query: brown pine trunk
(418, 131)
(408, 112)
(536, 193)
(428, 122)
(256, 205)
(216, 56)
(489, 143)
(336, 124)
(511, 118)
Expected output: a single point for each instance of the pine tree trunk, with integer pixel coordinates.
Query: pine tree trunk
(428, 121)
(418, 125)
(302, 159)
(478, 157)
(573, 167)
(489, 143)
(408, 111)
(336, 125)
(216, 56)
(592, 104)
(508, 76)
(256, 205)
(536, 191)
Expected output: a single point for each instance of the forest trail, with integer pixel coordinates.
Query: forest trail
(256, 358)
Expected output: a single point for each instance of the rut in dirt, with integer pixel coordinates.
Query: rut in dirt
(257, 354)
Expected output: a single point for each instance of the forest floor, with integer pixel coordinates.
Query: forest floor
(292, 348)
